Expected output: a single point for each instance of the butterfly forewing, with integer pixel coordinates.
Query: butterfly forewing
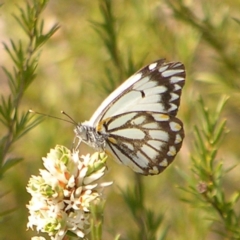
(156, 87)
(136, 124)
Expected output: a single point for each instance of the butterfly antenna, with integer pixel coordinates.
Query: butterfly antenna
(62, 119)
(73, 121)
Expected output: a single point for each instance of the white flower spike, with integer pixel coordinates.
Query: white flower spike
(64, 191)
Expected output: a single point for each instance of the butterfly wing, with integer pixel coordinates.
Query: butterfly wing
(156, 87)
(136, 123)
(147, 142)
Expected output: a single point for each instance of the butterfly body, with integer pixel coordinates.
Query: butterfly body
(137, 123)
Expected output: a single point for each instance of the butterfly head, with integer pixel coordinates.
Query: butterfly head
(89, 135)
(81, 132)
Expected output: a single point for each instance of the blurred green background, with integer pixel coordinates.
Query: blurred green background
(70, 75)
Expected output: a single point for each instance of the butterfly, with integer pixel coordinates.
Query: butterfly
(136, 124)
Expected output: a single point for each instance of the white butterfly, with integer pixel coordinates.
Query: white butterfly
(136, 124)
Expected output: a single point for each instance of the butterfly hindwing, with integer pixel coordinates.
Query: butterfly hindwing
(147, 142)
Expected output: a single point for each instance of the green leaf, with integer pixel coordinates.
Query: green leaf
(236, 19)
(10, 162)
